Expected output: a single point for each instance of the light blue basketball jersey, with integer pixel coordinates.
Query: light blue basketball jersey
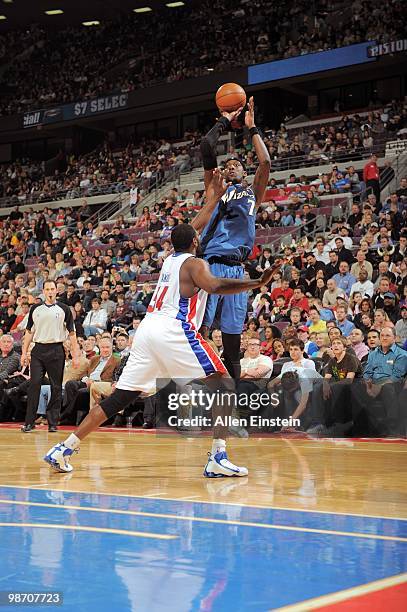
(231, 229)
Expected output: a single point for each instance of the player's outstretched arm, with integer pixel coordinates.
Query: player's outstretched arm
(208, 143)
(214, 192)
(201, 277)
(263, 171)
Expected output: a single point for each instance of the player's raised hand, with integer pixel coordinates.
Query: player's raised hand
(249, 114)
(232, 116)
(217, 186)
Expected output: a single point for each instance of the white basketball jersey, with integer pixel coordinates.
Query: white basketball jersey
(167, 300)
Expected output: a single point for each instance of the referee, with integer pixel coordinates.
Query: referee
(48, 327)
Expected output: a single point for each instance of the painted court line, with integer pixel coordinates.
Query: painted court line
(363, 450)
(331, 598)
(134, 534)
(216, 503)
(198, 519)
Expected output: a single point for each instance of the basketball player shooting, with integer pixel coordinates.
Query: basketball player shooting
(167, 344)
(228, 228)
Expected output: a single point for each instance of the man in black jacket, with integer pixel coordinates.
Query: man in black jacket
(333, 267)
(9, 364)
(343, 254)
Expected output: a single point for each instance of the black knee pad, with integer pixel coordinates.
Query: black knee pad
(117, 401)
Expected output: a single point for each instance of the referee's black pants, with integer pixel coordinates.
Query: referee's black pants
(46, 359)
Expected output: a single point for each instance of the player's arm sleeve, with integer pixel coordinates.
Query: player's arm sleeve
(263, 171)
(208, 143)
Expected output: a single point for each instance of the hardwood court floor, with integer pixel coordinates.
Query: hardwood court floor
(316, 523)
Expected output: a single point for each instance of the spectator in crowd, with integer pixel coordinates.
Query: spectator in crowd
(317, 324)
(301, 385)
(298, 299)
(216, 342)
(344, 279)
(356, 339)
(332, 267)
(9, 364)
(342, 321)
(362, 263)
(383, 374)
(371, 176)
(373, 339)
(334, 415)
(96, 320)
(401, 326)
(331, 294)
(363, 286)
(255, 370)
(100, 369)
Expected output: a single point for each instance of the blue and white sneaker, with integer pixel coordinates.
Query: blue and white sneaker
(219, 466)
(58, 458)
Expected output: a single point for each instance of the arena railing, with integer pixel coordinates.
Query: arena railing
(304, 161)
(296, 233)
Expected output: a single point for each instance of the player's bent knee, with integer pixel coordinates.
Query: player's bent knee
(117, 401)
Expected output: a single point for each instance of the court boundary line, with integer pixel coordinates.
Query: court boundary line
(345, 594)
(34, 487)
(133, 534)
(202, 519)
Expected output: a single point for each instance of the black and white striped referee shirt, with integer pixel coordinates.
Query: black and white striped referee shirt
(50, 323)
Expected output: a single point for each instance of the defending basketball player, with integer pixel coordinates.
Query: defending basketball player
(229, 229)
(167, 344)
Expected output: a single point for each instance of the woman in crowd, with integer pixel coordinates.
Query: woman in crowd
(355, 303)
(253, 325)
(264, 306)
(381, 320)
(266, 347)
(278, 349)
(78, 314)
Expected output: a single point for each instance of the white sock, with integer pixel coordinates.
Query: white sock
(72, 442)
(218, 445)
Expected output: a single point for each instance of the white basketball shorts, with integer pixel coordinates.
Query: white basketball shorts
(165, 348)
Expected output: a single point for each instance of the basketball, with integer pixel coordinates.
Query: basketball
(230, 97)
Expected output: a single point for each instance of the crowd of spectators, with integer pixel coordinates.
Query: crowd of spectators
(16, 42)
(350, 139)
(351, 278)
(58, 70)
(334, 299)
(144, 165)
(104, 171)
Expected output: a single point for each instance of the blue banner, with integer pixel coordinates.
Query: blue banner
(88, 108)
(310, 63)
(77, 110)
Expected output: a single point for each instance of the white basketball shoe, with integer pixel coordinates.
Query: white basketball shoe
(219, 466)
(58, 458)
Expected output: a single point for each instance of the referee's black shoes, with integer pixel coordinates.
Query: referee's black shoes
(28, 428)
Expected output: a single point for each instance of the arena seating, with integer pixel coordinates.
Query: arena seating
(57, 70)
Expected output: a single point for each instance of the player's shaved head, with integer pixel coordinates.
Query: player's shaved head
(182, 237)
(236, 159)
